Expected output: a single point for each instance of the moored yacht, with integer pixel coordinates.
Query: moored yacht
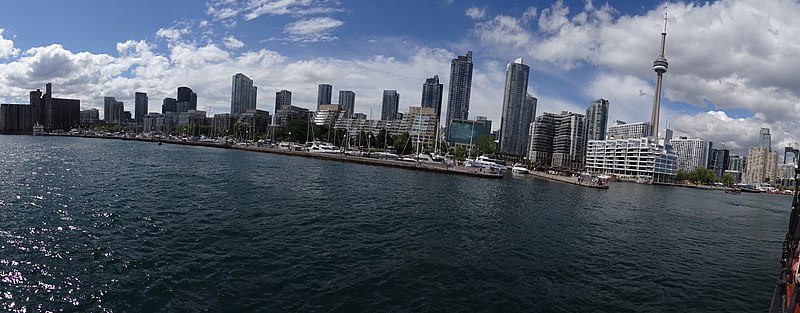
(38, 130)
(519, 168)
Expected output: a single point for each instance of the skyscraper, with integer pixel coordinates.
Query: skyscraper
(282, 98)
(347, 99)
(391, 102)
(112, 110)
(243, 94)
(514, 131)
(169, 105)
(140, 106)
(187, 100)
(765, 139)
(324, 92)
(558, 140)
(692, 153)
(459, 90)
(432, 95)
(660, 67)
(597, 120)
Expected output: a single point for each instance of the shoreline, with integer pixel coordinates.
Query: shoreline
(419, 166)
(565, 179)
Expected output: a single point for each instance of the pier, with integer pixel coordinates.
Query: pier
(568, 180)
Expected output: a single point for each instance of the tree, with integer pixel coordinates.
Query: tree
(403, 143)
(460, 153)
(297, 130)
(682, 175)
(702, 175)
(381, 139)
(727, 179)
(485, 144)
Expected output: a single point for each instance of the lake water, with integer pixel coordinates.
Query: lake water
(108, 225)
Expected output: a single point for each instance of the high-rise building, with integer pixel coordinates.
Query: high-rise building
(324, 94)
(140, 106)
(282, 98)
(622, 130)
(764, 138)
(90, 116)
(692, 153)
(459, 90)
(597, 120)
(347, 99)
(113, 110)
(660, 67)
(243, 94)
(558, 140)
(391, 103)
(636, 159)
(720, 161)
(187, 100)
(515, 119)
(761, 165)
(169, 105)
(432, 94)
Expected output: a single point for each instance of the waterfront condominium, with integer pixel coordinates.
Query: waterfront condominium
(112, 110)
(519, 109)
(140, 106)
(347, 99)
(243, 94)
(391, 103)
(761, 165)
(692, 153)
(459, 90)
(635, 159)
(558, 140)
(597, 120)
(432, 92)
(324, 94)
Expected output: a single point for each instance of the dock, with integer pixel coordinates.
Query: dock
(340, 157)
(568, 180)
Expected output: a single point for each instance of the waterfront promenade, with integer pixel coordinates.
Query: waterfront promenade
(341, 157)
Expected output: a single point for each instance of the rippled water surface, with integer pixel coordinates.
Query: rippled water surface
(107, 225)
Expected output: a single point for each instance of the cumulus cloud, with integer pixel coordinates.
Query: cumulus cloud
(233, 43)
(172, 34)
(724, 55)
(7, 46)
(476, 13)
(313, 30)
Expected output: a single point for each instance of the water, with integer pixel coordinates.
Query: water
(106, 225)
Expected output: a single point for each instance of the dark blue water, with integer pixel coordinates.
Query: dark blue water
(106, 225)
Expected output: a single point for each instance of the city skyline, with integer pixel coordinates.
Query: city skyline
(578, 52)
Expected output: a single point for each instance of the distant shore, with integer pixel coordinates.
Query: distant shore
(341, 157)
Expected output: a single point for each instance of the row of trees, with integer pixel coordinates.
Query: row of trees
(702, 175)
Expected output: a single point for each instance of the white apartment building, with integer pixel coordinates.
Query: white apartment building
(622, 130)
(691, 153)
(636, 159)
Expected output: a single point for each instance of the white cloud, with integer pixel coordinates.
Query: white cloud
(258, 8)
(476, 13)
(7, 47)
(313, 30)
(233, 43)
(723, 55)
(172, 34)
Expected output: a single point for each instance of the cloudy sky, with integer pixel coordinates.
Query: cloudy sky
(732, 68)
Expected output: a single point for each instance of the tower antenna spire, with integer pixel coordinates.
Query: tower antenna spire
(660, 66)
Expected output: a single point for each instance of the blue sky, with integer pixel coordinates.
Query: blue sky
(731, 62)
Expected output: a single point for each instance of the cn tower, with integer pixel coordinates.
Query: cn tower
(660, 66)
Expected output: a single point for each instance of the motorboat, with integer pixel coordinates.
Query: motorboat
(321, 147)
(519, 168)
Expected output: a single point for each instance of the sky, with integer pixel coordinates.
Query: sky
(731, 63)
